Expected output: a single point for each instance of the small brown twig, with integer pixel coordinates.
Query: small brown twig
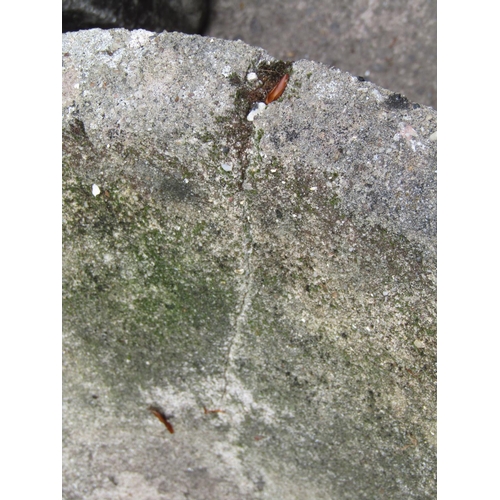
(160, 415)
(212, 411)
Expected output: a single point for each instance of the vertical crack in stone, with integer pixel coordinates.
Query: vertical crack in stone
(245, 304)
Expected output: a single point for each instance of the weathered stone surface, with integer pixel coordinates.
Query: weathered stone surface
(280, 270)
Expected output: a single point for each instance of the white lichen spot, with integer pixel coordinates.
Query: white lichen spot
(378, 96)
(108, 258)
(251, 77)
(138, 38)
(227, 167)
(257, 109)
(326, 90)
(407, 131)
(95, 189)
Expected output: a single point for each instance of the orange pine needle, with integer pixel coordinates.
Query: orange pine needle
(277, 90)
(162, 418)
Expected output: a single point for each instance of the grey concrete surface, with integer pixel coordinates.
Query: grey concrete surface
(391, 42)
(281, 271)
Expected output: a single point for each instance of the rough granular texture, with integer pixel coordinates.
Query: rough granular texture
(268, 285)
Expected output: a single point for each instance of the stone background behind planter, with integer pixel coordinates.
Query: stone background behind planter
(281, 271)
